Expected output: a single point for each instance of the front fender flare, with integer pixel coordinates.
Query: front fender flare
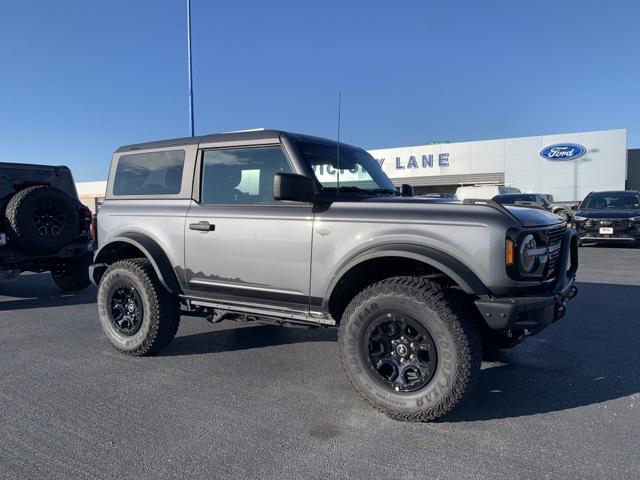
(460, 273)
(152, 251)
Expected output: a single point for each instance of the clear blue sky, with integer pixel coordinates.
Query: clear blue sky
(81, 77)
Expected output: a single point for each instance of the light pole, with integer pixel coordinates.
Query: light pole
(191, 127)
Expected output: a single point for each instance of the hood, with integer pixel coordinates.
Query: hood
(609, 213)
(533, 217)
(528, 217)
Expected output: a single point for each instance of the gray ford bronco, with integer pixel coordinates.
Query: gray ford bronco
(292, 229)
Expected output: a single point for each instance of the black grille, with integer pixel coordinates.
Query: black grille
(554, 241)
(617, 223)
(554, 234)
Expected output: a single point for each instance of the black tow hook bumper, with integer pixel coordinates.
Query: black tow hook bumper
(533, 313)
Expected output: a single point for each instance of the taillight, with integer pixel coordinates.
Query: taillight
(85, 219)
(94, 228)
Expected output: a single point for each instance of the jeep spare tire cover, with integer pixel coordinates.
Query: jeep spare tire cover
(41, 219)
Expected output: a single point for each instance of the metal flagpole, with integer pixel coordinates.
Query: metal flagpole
(191, 126)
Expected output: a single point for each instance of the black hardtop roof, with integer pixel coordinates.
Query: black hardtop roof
(248, 135)
(31, 165)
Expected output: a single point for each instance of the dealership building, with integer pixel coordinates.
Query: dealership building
(567, 166)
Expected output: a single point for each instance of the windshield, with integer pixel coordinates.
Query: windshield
(612, 200)
(357, 170)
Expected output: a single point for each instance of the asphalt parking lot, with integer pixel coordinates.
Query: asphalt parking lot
(252, 401)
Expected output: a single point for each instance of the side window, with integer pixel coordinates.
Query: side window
(241, 175)
(156, 173)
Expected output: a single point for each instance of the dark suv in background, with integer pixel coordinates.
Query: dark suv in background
(43, 225)
(607, 216)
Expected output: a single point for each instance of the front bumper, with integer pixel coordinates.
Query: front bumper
(76, 249)
(620, 233)
(588, 237)
(533, 313)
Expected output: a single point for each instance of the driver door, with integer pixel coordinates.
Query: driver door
(241, 245)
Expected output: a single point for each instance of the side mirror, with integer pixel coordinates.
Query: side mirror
(574, 207)
(406, 190)
(291, 186)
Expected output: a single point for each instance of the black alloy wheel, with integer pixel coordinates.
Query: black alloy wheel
(400, 352)
(137, 314)
(125, 309)
(48, 219)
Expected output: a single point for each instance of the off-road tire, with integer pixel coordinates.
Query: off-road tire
(161, 316)
(75, 275)
(447, 316)
(21, 229)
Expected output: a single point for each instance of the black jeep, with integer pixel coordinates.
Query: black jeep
(43, 225)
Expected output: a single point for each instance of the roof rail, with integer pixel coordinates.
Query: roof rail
(492, 204)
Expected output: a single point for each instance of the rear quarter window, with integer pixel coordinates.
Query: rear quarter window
(154, 173)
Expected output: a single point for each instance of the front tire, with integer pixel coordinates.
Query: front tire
(410, 347)
(137, 314)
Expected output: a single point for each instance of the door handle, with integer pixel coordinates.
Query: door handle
(203, 226)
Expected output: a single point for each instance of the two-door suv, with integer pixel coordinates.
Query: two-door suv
(293, 229)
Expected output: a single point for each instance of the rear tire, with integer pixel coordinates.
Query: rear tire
(417, 305)
(138, 315)
(75, 275)
(41, 220)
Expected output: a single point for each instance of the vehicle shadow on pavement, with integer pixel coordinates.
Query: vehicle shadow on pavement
(244, 338)
(39, 291)
(589, 357)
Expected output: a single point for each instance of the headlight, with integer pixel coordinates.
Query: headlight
(634, 219)
(578, 218)
(528, 254)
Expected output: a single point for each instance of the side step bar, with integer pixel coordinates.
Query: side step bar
(317, 319)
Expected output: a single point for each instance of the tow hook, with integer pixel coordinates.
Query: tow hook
(561, 309)
(573, 291)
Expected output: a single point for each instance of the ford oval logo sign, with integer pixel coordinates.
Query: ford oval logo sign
(563, 151)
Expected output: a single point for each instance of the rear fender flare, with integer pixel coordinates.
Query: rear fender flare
(152, 251)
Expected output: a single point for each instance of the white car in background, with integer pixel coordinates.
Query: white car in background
(483, 192)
